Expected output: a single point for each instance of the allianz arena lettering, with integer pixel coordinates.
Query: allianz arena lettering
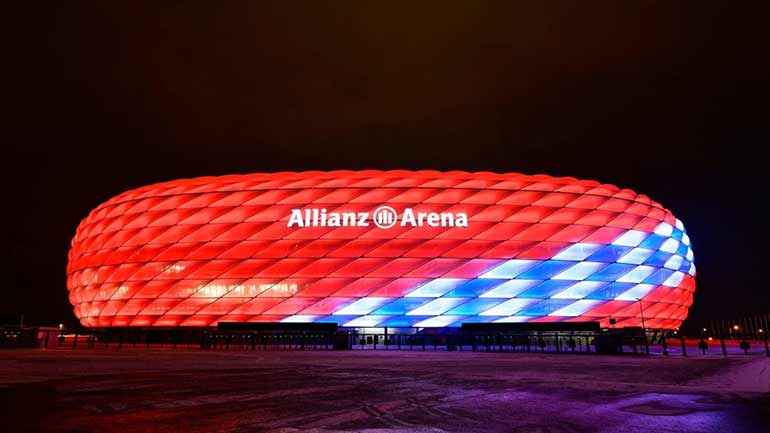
(375, 248)
(384, 217)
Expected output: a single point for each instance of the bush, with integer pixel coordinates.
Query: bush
(745, 345)
(702, 345)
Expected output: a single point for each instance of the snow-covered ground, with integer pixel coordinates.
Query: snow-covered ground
(379, 392)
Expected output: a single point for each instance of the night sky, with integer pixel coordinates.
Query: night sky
(670, 101)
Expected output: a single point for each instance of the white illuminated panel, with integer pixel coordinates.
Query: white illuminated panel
(300, 318)
(637, 256)
(670, 245)
(365, 321)
(510, 289)
(436, 307)
(638, 291)
(674, 262)
(630, 238)
(664, 229)
(362, 306)
(514, 319)
(509, 307)
(674, 279)
(511, 269)
(580, 271)
(580, 290)
(438, 321)
(578, 252)
(435, 288)
(578, 307)
(638, 274)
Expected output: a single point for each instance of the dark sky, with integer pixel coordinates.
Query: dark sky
(672, 101)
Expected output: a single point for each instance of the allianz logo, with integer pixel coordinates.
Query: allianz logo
(383, 217)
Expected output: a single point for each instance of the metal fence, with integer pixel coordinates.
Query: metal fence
(540, 342)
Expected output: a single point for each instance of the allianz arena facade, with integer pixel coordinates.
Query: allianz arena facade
(413, 249)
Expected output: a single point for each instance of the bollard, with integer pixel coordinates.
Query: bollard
(724, 347)
(75, 341)
(767, 349)
(684, 348)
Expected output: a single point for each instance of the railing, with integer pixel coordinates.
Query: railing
(542, 342)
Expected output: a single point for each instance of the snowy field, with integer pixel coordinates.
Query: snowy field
(81, 391)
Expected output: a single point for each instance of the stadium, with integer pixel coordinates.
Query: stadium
(393, 249)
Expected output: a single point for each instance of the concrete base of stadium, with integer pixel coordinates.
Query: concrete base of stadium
(109, 390)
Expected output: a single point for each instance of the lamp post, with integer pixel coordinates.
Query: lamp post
(641, 312)
(644, 328)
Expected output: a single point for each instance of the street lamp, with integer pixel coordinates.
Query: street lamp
(641, 312)
(644, 328)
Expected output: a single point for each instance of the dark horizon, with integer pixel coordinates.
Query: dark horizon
(662, 99)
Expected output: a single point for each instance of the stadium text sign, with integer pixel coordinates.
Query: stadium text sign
(383, 217)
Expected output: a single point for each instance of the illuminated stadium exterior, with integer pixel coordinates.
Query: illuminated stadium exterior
(372, 248)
